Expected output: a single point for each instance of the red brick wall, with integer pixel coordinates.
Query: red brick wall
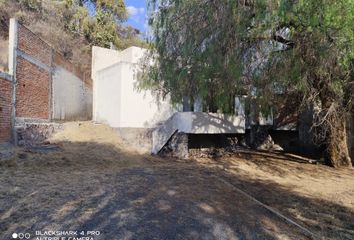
(33, 82)
(33, 93)
(32, 90)
(5, 110)
(31, 44)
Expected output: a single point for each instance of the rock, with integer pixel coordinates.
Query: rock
(32, 134)
(267, 144)
(277, 147)
(22, 156)
(177, 146)
(6, 152)
(21, 143)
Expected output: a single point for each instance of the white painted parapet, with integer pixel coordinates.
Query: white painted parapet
(117, 102)
(103, 57)
(196, 123)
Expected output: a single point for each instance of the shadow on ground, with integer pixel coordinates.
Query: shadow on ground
(99, 187)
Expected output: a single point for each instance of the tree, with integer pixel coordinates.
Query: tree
(216, 49)
(101, 22)
(320, 63)
(73, 26)
(99, 29)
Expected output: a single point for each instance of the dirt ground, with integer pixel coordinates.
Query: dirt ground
(92, 182)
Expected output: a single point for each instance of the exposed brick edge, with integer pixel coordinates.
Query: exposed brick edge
(6, 88)
(6, 76)
(33, 60)
(58, 60)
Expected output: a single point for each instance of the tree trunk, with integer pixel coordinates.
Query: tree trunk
(338, 149)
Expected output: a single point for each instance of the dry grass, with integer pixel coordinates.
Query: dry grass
(94, 182)
(309, 180)
(318, 197)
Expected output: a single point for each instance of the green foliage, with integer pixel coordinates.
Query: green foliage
(219, 48)
(192, 58)
(321, 59)
(32, 5)
(113, 7)
(228, 47)
(102, 28)
(70, 27)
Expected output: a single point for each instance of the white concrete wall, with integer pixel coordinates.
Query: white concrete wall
(116, 100)
(107, 96)
(140, 109)
(103, 57)
(132, 54)
(208, 123)
(71, 99)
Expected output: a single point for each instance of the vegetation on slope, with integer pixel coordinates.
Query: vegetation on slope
(73, 26)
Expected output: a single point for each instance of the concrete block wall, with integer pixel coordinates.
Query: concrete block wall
(59, 61)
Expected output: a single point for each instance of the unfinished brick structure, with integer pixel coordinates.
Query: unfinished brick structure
(40, 86)
(5, 107)
(32, 88)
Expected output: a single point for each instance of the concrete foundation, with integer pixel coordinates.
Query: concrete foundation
(176, 147)
(35, 134)
(196, 123)
(140, 139)
(185, 146)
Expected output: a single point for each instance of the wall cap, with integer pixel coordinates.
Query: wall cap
(6, 76)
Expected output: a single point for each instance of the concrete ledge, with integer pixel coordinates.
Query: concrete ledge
(208, 123)
(6, 76)
(5, 145)
(139, 139)
(21, 121)
(33, 61)
(196, 123)
(35, 134)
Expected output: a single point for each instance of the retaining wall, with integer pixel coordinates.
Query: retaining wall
(196, 123)
(47, 85)
(40, 86)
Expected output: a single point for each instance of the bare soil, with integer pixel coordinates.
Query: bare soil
(93, 182)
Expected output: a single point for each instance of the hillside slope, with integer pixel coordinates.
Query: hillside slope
(52, 20)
